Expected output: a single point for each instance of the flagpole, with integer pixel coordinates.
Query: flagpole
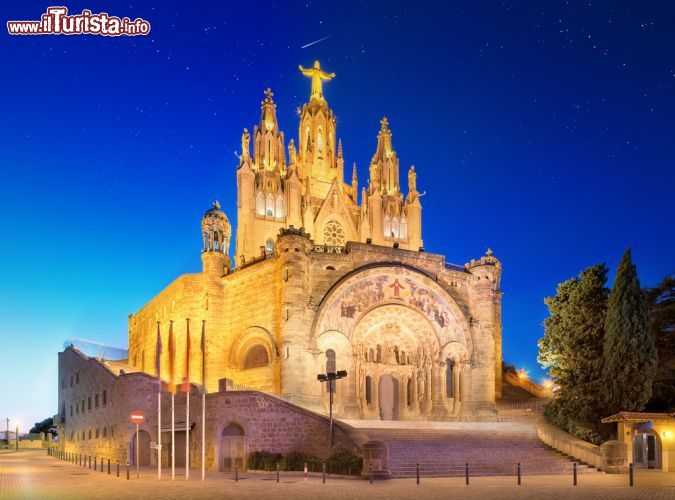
(203, 399)
(187, 401)
(173, 441)
(158, 355)
(172, 361)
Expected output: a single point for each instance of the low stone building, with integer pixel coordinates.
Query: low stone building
(97, 398)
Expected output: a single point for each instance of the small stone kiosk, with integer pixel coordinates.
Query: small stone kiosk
(650, 438)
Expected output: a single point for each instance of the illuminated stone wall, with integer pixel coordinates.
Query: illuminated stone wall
(266, 422)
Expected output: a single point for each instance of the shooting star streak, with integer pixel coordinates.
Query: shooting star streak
(316, 41)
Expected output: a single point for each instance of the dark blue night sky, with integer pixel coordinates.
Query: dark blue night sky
(543, 130)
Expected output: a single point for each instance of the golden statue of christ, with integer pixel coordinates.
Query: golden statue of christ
(316, 74)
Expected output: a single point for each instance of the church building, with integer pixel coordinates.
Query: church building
(327, 275)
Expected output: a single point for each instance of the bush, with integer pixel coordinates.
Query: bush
(263, 460)
(296, 461)
(343, 461)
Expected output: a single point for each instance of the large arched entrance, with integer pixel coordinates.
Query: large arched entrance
(403, 340)
(233, 448)
(143, 448)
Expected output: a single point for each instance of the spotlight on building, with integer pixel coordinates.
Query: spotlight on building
(396, 244)
(369, 241)
(330, 377)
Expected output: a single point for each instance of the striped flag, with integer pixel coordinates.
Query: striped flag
(158, 357)
(203, 356)
(186, 379)
(172, 359)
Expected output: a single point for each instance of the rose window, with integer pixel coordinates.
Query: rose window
(333, 234)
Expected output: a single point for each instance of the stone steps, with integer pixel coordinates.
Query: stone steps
(490, 449)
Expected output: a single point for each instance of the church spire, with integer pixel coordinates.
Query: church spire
(384, 165)
(268, 146)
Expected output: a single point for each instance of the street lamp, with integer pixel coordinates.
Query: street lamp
(329, 377)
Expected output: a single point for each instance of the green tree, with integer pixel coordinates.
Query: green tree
(630, 357)
(572, 348)
(662, 324)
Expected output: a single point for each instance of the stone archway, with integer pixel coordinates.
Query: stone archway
(233, 448)
(394, 320)
(143, 448)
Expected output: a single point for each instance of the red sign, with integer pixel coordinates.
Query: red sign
(137, 417)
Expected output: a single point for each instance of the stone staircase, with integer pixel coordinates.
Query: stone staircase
(444, 448)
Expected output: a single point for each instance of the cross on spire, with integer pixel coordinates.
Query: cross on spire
(268, 94)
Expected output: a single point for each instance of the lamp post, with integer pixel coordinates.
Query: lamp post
(330, 377)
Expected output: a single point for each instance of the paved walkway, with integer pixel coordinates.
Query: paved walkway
(33, 474)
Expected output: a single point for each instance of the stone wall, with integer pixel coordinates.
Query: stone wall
(105, 431)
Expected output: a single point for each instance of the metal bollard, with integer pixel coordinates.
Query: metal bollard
(466, 473)
(277, 472)
(236, 472)
(574, 473)
(631, 473)
(519, 483)
(371, 473)
(323, 467)
(108, 466)
(127, 470)
(118, 468)
(417, 471)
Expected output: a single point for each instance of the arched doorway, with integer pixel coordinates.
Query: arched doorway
(388, 397)
(233, 448)
(646, 450)
(143, 448)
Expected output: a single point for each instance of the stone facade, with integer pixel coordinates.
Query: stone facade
(321, 282)
(236, 422)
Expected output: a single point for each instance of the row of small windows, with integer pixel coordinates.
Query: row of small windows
(92, 434)
(76, 380)
(80, 405)
(395, 228)
(269, 206)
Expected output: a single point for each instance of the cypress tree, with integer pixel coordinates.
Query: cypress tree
(572, 348)
(630, 357)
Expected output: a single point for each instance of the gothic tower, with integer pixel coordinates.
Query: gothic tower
(309, 190)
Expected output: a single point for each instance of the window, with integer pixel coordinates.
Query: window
(105, 398)
(269, 246)
(260, 203)
(369, 390)
(387, 226)
(97, 433)
(83, 406)
(77, 407)
(333, 234)
(71, 410)
(96, 400)
(409, 392)
(89, 433)
(404, 229)
(256, 357)
(71, 381)
(89, 403)
(105, 432)
(448, 378)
